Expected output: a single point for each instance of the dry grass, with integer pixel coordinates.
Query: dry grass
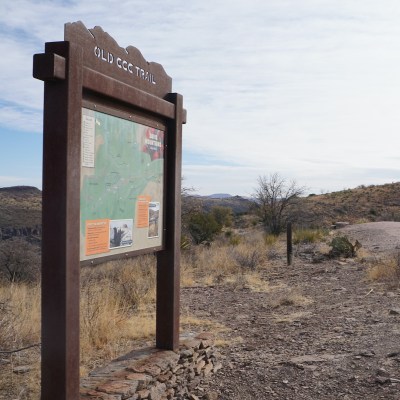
(270, 240)
(291, 297)
(118, 305)
(363, 255)
(242, 264)
(289, 318)
(309, 235)
(20, 327)
(191, 323)
(20, 315)
(385, 270)
(229, 342)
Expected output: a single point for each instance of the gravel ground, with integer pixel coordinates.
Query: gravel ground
(318, 331)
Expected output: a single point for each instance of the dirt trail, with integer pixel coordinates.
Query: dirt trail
(376, 236)
(320, 331)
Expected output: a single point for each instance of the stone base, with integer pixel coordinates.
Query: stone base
(155, 374)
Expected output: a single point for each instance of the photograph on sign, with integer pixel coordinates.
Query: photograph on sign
(122, 185)
(154, 218)
(121, 233)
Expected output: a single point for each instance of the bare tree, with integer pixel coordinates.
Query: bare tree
(190, 206)
(19, 260)
(273, 198)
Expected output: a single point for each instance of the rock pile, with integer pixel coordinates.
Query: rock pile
(156, 374)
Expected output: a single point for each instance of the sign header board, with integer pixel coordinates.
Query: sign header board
(103, 54)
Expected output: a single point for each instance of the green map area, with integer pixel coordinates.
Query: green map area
(127, 161)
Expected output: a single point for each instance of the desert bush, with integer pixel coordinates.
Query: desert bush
(222, 215)
(342, 247)
(233, 238)
(19, 261)
(248, 258)
(203, 227)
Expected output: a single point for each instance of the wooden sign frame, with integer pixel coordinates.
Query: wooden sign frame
(89, 64)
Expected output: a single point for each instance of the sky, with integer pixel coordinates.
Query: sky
(309, 89)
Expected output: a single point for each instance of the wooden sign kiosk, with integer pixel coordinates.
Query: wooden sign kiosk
(111, 168)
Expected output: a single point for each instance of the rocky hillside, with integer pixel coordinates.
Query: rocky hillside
(20, 211)
(362, 204)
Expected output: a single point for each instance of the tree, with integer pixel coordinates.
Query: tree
(191, 204)
(273, 198)
(203, 227)
(223, 215)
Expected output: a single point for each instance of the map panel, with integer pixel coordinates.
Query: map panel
(122, 177)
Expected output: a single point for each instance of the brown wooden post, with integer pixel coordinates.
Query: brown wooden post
(289, 243)
(89, 68)
(168, 260)
(60, 246)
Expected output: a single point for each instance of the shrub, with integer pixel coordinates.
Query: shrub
(248, 258)
(203, 228)
(233, 238)
(222, 215)
(342, 247)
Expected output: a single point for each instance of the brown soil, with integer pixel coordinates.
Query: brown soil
(319, 331)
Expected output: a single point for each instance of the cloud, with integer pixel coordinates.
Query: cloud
(309, 89)
(211, 179)
(20, 118)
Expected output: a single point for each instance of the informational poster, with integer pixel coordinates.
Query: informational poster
(97, 236)
(143, 211)
(122, 179)
(88, 136)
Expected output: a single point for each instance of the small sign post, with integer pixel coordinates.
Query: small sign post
(112, 152)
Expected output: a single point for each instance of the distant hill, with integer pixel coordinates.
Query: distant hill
(238, 204)
(219, 196)
(20, 207)
(20, 211)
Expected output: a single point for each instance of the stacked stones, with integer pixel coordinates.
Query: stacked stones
(156, 374)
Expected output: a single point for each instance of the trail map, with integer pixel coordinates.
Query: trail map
(122, 174)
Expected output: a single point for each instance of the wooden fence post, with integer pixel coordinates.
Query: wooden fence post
(289, 243)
